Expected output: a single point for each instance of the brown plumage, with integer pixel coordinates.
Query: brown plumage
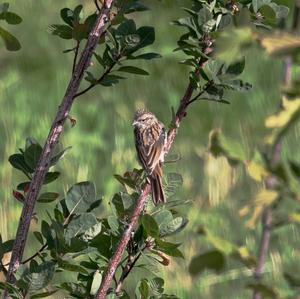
(150, 138)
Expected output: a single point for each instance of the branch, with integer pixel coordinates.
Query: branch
(263, 249)
(76, 49)
(146, 189)
(52, 140)
(269, 181)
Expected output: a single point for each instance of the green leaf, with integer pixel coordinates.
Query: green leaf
(47, 233)
(133, 7)
(18, 162)
(43, 295)
(47, 197)
(13, 291)
(91, 78)
(142, 289)
(150, 225)
(131, 41)
(211, 260)
(257, 4)
(92, 232)
(132, 70)
(80, 197)
(32, 155)
(168, 248)
(268, 13)
(10, 41)
(80, 225)
(77, 13)
(113, 224)
(59, 156)
(100, 60)
(68, 266)
(97, 278)
(295, 167)
(163, 217)
(10, 17)
(67, 16)
(125, 28)
(110, 80)
(147, 36)
(63, 31)
(204, 15)
(173, 227)
(23, 186)
(50, 177)
(90, 22)
(146, 56)
(281, 11)
(238, 85)
(157, 285)
(76, 289)
(39, 237)
(40, 277)
(7, 246)
(186, 22)
(236, 68)
(105, 244)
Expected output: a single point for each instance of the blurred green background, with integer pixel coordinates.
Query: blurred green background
(32, 84)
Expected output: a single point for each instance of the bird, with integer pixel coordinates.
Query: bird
(150, 139)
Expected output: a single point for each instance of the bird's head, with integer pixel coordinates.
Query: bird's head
(143, 118)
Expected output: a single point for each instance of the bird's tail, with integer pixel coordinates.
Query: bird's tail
(156, 186)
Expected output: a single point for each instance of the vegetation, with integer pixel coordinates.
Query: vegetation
(75, 229)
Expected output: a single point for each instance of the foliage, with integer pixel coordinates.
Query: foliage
(10, 41)
(73, 239)
(279, 180)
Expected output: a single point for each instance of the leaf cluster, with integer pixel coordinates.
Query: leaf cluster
(210, 77)
(74, 239)
(11, 18)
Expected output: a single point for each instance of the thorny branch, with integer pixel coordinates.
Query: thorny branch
(52, 140)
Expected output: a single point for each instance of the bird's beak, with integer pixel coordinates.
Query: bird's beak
(134, 123)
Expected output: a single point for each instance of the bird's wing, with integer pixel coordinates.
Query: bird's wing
(150, 153)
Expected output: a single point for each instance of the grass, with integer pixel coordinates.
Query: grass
(32, 83)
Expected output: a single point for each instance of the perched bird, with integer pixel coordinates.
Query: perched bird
(150, 138)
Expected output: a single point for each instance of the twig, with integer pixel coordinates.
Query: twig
(196, 97)
(36, 254)
(131, 261)
(98, 80)
(116, 258)
(263, 249)
(52, 140)
(76, 49)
